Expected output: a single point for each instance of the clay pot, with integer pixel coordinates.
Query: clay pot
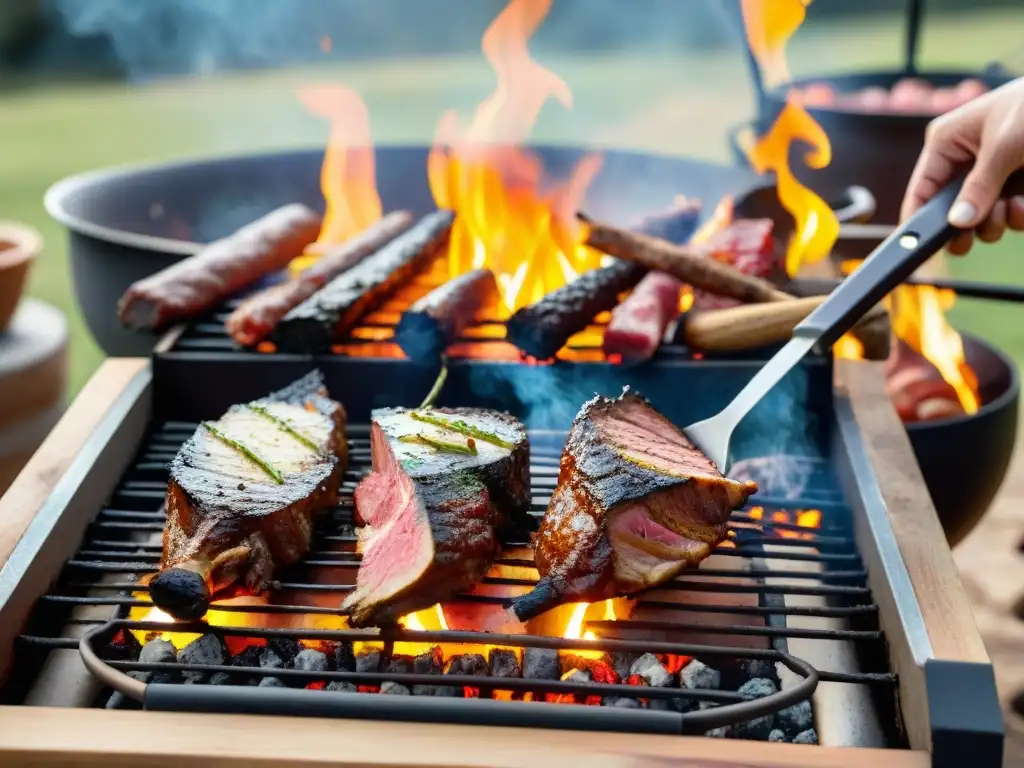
(19, 245)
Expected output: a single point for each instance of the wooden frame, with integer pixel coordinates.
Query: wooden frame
(54, 498)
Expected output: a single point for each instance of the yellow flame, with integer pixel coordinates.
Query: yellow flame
(816, 224)
(769, 25)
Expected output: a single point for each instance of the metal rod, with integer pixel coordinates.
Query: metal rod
(912, 35)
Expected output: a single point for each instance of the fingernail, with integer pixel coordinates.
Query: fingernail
(962, 214)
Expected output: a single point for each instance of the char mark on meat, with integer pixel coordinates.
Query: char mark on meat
(635, 504)
(443, 484)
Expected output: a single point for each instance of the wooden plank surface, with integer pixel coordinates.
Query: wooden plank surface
(30, 489)
(36, 736)
(952, 630)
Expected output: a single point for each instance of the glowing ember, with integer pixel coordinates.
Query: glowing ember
(804, 518)
(505, 223)
(348, 176)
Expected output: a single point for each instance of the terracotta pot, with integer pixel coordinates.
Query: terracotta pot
(19, 245)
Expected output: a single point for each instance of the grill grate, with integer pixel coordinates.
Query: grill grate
(123, 542)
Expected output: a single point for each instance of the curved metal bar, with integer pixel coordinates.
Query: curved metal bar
(730, 711)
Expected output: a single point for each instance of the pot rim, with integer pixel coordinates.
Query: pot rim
(25, 243)
(1010, 394)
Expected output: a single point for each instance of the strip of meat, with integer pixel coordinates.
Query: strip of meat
(543, 328)
(439, 318)
(336, 308)
(689, 263)
(746, 244)
(635, 504)
(200, 282)
(638, 324)
(243, 494)
(444, 481)
(258, 315)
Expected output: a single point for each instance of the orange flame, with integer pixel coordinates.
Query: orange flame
(528, 239)
(805, 518)
(348, 175)
(919, 319)
(605, 611)
(770, 24)
(817, 227)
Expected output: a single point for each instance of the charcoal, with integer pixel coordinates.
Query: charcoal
(368, 662)
(271, 682)
(622, 702)
(206, 649)
(394, 689)
(651, 670)
(341, 686)
(810, 736)
(429, 663)
(309, 660)
(285, 647)
(400, 665)
(541, 664)
(250, 657)
(344, 659)
(271, 659)
(504, 663)
(765, 668)
(124, 647)
(722, 732)
(221, 678)
(621, 662)
(796, 719)
(759, 728)
(578, 676)
(700, 677)
(776, 735)
(118, 700)
(157, 651)
(468, 664)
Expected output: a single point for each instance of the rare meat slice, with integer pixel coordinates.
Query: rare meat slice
(638, 323)
(243, 493)
(443, 483)
(746, 244)
(635, 504)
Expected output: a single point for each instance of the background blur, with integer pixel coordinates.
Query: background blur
(91, 83)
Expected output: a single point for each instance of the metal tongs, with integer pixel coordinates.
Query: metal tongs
(907, 248)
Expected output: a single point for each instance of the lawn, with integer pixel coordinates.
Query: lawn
(666, 101)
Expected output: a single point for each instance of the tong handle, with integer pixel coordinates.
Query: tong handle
(908, 247)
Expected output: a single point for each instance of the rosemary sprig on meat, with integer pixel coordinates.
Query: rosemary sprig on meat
(284, 426)
(468, 447)
(245, 451)
(463, 428)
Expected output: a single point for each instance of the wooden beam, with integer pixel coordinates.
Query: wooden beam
(77, 738)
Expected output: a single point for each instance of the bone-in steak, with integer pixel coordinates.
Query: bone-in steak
(443, 482)
(243, 493)
(635, 504)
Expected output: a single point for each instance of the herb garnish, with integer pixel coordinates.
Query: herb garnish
(247, 452)
(463, 428)
(468, 447)
(284, 426)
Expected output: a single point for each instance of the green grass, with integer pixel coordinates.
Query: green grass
(657, 101)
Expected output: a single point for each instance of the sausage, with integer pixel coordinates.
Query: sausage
(200, 282)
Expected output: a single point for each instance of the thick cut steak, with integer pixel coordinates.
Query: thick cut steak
(635, 504)
(443, 483)
(243, 493)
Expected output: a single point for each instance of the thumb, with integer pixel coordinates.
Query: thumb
(982, 188)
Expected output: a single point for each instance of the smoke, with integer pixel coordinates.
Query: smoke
(154, 38)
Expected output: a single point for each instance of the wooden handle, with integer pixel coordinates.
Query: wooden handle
(747, 326)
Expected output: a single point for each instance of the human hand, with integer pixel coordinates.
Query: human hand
(988, 132)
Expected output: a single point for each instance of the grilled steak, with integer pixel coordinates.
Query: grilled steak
(635, 504)
(444, 481)
(243, 493)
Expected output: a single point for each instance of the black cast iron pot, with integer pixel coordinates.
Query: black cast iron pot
(872, 150)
